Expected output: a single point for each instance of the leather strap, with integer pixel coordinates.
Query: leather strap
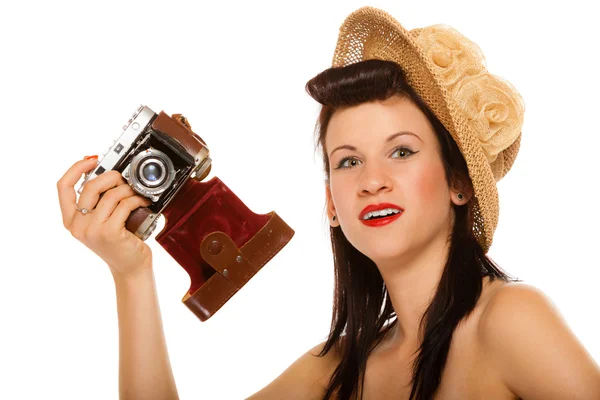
(241, 264)
(223, 255)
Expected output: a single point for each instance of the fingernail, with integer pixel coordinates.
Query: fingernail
(90, 157)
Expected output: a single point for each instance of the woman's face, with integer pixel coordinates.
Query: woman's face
(406, 171)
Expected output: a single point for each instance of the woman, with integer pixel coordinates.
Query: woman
(415, 134)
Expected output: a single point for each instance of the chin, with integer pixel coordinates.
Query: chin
(379, 256)
(382, 248)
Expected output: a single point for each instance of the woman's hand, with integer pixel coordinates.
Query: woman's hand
(103, 230)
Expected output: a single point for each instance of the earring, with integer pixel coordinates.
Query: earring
(460, 196)
(333, 218)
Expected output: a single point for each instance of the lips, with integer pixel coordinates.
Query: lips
(381, 221)
(376, 207)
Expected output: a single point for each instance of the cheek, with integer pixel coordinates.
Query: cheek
(339, 193)
(430, 187)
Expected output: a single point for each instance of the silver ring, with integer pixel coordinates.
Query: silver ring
(84, 210)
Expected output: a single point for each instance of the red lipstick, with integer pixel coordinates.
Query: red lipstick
(380, 221)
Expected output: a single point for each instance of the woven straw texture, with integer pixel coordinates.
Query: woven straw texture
(482, 112)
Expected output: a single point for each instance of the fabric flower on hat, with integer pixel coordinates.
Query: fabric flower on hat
(494, 110)
(454, 56)
(492, 106)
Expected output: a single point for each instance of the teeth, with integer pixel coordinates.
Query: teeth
(380, 213)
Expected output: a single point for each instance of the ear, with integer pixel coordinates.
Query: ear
(330, 207)
(463, 187)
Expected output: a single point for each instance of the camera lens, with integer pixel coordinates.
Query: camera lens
(152, 172)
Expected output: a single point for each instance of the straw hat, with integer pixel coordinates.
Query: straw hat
(482, 112)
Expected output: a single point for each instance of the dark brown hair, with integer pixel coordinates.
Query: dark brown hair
(361, 305)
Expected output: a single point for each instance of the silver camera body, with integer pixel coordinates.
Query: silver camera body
(153, 163)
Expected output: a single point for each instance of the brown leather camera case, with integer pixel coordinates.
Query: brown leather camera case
(212, 234)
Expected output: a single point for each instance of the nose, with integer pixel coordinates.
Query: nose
(374, 179)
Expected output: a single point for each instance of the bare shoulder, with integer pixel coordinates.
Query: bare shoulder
(306, 378)
(525, 338)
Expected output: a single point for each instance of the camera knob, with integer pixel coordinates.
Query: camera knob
(149, 231)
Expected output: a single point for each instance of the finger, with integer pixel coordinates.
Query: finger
(110, 200)
(66, 191)
(94, 188)
(125, 208)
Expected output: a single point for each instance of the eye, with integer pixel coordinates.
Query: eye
(405, 151)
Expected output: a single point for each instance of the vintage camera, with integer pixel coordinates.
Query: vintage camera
(208, 230)
(154, 163)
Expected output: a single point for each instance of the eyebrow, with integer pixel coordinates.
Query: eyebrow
(389, 139)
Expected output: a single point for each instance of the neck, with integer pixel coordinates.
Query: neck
(411, 283)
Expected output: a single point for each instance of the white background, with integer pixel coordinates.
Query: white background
(73, 72)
